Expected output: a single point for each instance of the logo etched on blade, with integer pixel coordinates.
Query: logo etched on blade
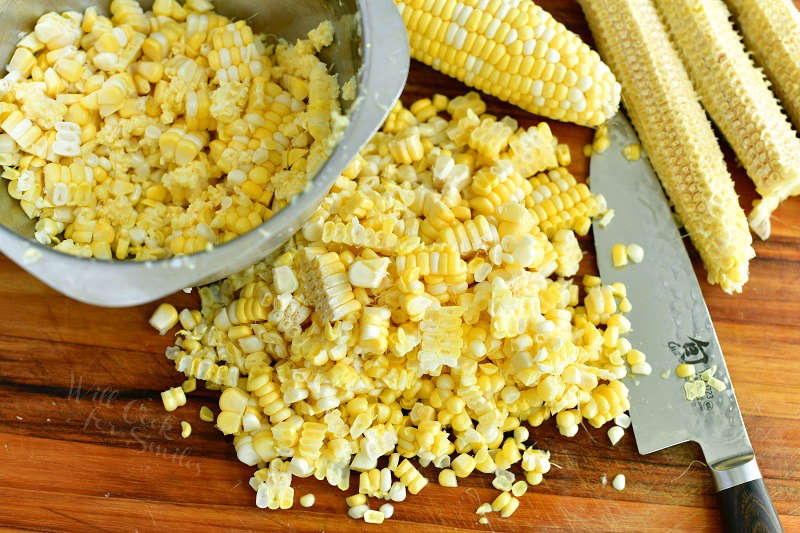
(694, 353)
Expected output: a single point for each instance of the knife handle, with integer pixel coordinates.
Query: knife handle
(744, 500)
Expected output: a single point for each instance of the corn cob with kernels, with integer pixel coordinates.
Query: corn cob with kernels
(675, 133)
(515, 50)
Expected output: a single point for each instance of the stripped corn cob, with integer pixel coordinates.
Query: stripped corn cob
(675, 133)
(737, 97)
(771, 31)
(515, 50)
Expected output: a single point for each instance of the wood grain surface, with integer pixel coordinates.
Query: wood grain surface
(86, 445)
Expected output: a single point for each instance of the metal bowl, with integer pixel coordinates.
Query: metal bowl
(370, 43)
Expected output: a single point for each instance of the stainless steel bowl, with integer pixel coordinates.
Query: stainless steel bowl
(370, 43)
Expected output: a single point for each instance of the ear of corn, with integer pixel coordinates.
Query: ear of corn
(675, 133)
(771, 30)
(738, 99)
(515, 50)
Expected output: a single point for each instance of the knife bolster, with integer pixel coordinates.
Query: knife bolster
(734, 472)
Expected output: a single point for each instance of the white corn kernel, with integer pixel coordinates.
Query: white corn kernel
(615, 433)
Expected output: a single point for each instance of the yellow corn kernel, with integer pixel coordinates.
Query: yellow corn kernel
(173, 398)
(186, 429)
(206, 414)
(632, 152)
(164, 318)
(619, 255)
(190, 385)
(685, 370)
(447, 478)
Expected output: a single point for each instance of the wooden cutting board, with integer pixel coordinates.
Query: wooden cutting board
(86, 445)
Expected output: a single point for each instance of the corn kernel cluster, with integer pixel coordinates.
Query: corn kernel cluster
(424, 312)
(150, 134)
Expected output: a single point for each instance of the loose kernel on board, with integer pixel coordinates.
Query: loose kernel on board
(206, 414)
(173, 398)
(307, 500)
(373, 517)
(189, 385)
(615, 433)
(618, 482)
(447, 478)
(186, 429)
(164, 318)
(387, 509)
(623, 421)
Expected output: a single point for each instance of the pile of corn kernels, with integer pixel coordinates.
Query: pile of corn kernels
(150, 134)
(425, 312)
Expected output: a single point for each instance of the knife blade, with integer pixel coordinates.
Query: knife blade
(670, 321)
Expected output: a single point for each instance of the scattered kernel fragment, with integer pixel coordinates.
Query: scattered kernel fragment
(694, 389)
(356, 500)
(623, 421)
(716, 384)
(189, 385)
(307, 500)
(357, 511)
(380, 329)
(563, 155)
(206, 414)
(618, 482)
(604, 480)
(387, 509)
(665, 373)
(615, 433)
(164, 318)
(635, 253)
(642, 369)
(708, 373)
(685, 370)
(619, 255)
(606, 218)
(373, 517)
(484, 508)
(173, 398)
(519, 488)
(186, 429)
(483, 520)
(601, 141)
(632, 152)
(447, 478)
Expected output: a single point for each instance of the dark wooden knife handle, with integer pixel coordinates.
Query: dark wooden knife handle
(747, 508)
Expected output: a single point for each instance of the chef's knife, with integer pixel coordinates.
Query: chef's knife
(671, 325)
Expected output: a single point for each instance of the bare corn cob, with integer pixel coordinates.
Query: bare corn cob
(675, 133)
(771, 31)
(515, 50)
(736, 95)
